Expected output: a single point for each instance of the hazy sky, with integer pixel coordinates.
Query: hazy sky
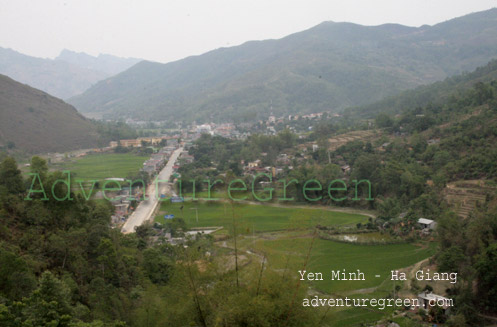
(166, 30)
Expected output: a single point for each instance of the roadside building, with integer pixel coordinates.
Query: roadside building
(152, 166)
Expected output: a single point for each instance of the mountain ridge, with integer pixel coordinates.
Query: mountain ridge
(63, 76)
(432, 94)
(103, 62)
(328, 67)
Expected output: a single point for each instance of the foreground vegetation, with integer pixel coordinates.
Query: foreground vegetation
(61, 264)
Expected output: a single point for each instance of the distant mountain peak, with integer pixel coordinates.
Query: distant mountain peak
(69, 74)
(64, 53)
(106, 63)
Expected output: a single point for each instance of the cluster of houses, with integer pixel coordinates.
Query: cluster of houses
(122, 200)
(139, 142)
(227, 130)
(255, 167)
(136, 143)
(230, 130)
(284, 160)
(154, 164)
(157, 160)
(272, 119)
(185, 157)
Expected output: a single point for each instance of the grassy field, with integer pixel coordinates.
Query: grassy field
(284, 235)
(288, 252)
(258, 218)
(102, 166)
(328, 255)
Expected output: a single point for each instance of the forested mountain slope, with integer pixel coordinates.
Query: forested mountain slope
(326, 68)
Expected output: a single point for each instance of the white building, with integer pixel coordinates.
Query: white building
(428, 299)
(427, 223)
(204, 129)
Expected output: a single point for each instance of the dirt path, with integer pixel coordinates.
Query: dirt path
(412, 271)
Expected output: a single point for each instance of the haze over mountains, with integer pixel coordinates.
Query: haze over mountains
(435, 94)
(36, 122)
(67, 75)
(108, 64)
(326, 68)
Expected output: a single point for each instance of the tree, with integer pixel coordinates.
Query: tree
(176, 226)
(457, 320)
(418, 143)
(483, 92)
(39, 166)
(486, 268)
(287, 138)
(49, 305)
(157, 266)
(16, 280)
(108, 260)
(388, 208)
(437, 314)
(236, 168)
(121, 149)
(144, 231)
(365, 167)
(10, 176)
(383, 120)
(452, 259)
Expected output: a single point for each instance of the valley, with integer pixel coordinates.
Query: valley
(341, 175)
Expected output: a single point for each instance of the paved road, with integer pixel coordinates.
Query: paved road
(146, 208)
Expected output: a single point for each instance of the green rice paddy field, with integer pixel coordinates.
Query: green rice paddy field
(285, 236)
(254, 217)
(102, 166)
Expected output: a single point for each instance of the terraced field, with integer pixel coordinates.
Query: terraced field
(343, 139)
(465, 196)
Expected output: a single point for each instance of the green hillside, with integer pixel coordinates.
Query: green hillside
(36, 122)
(435, 94)
(326, 68)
